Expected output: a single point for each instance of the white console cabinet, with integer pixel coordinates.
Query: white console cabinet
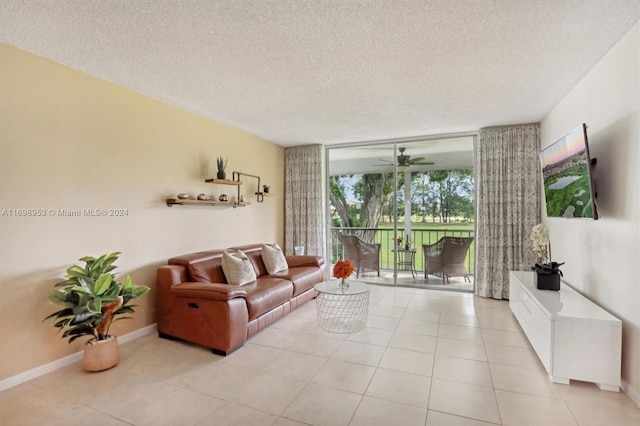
(573, 337)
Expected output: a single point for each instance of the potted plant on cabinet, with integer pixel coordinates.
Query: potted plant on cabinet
(92, 297)
(548, 273)
(266, 188)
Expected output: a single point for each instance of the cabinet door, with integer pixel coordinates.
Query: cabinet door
(587, 351)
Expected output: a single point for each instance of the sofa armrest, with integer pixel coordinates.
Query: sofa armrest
(294, 261)
(213, 291)
(168, 275)
(212, 315)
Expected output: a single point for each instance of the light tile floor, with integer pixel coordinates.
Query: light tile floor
(426, 358)
(406, 279)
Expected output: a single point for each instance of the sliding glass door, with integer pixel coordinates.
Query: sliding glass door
(397, 198)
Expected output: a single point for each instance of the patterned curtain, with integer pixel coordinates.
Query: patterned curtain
(508, 205)
(304, 199)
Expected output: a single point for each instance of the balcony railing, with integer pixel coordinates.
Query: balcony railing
(385, 237)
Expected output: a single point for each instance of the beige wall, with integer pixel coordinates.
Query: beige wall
(72, 141)
(603, 257)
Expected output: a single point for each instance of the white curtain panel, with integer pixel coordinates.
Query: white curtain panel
(304, 199)
(508, 205)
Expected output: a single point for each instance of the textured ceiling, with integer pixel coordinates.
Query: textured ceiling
(330, 71)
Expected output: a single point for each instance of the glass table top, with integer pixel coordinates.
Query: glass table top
(331, 287)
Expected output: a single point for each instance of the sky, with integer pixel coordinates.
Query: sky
(569, 145)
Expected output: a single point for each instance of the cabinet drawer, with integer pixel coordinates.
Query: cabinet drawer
(537, 327)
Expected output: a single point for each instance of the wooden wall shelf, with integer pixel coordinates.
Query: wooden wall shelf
(190, 202)
(224, 181)
(217, 203)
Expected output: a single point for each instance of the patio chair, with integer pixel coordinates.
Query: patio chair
(364, 255)
(446, 258)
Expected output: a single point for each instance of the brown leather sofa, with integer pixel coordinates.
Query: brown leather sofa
(195, 303)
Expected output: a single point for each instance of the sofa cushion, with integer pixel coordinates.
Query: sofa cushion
(302, 277)
(237, 268)
(266, 294)
(254, 252)
(209, 271)
(273, 258)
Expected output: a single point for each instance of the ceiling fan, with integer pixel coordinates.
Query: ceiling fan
(404, 161)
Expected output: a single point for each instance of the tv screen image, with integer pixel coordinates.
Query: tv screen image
(566, 173)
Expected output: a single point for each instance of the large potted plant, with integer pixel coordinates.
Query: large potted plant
(92, 298)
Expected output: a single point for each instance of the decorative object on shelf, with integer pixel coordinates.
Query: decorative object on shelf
(407, 243)
(225, 201)
(92, 297)
(259, 195)
(243, 199)
(265, 188)
(548, 273)
(222, 164)
(343, 270)
(202, 197)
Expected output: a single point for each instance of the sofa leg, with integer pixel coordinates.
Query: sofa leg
(166, 336)
(225, 353)
(215, 351)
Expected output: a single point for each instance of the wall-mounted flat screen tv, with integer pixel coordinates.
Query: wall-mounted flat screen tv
(568, 182)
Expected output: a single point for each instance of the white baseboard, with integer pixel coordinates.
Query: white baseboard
(632, 393)
(67, 360)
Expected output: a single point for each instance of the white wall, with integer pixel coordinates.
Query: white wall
(603, 257)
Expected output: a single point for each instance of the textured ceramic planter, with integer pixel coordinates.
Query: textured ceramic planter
(101, 355)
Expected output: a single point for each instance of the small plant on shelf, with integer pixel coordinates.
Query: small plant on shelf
(265, 188)
(222, 165)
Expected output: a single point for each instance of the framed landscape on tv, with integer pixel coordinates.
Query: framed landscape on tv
(566, 174)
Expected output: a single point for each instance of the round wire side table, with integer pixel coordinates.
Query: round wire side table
(342, 309)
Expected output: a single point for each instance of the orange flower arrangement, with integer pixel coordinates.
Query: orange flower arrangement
(343, 269)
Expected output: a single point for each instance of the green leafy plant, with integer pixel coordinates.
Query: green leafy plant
(265, 188)
(92, 297)
(548, 268)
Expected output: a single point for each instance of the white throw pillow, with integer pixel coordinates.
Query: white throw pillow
(274, 259)
(238, 268)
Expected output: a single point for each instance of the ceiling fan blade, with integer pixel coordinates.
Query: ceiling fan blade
(423, 163)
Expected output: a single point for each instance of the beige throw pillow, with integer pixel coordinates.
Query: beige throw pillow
(274, 259)
(237, 268)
